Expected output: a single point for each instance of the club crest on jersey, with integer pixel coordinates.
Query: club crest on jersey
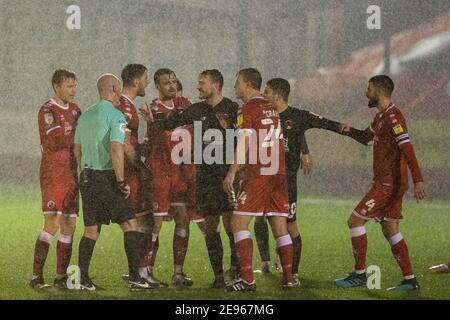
(398, 129)
(155, 206)
(51, 204)
(61, 117)
(316, 115)
(288, 124)
(48, 118)
(380, 125)
(74, 113)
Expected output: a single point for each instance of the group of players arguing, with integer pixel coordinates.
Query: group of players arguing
(160, 189)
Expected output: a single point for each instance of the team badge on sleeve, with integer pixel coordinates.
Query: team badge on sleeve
(48, 118)
(398, 129)
(123, 127)
(240, 120)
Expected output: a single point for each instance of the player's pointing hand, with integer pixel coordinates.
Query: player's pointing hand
(228, 183)
(146, 112)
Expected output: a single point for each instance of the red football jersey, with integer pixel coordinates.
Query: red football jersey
(57, 130)
(159, 142)
(129, 110)
(261, 118)
(389, 162)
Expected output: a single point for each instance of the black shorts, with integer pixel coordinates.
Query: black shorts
(103, 202)
(211, 199)
(292, 194)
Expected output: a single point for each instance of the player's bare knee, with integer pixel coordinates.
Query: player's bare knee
(389, 229)
(68, 226)
(51, 224)
(92, 232)
(354, 222)
(293, 229)
(129, 225)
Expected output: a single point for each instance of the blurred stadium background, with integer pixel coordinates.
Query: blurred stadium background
(323, 47)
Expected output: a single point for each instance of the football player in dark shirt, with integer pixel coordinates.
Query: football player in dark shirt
(215, 112)
(294, 123)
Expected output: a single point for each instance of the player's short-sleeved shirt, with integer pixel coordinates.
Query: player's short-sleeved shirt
(260, 120)
(389, 163)
(129, 110)
(97, 128)
(159, 141)
(56, 130)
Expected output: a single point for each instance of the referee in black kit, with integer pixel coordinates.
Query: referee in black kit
(294, 123)
(218, 113)
(99, 150)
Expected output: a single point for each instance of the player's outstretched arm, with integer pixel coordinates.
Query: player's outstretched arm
(362, 136)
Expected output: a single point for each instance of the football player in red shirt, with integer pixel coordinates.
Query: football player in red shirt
(57, 120)
(135, 80)
(393, 154)
(263, 190)
(167, 188)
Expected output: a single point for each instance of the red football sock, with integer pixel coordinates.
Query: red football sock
(285, 250)
(180, 246)
(244, 251)
(359, 244)
(401, 254)
(63, 254)
(40, 252)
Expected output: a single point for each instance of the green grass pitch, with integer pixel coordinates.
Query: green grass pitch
(326, 255)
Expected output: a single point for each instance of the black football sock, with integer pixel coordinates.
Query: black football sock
(233, 257)
(297, 254)
(133, 242)
(215, 252)
(85, 250)
(262, 239)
